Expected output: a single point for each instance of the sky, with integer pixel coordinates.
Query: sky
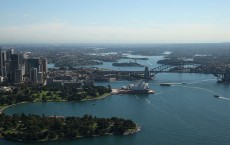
(114, 21)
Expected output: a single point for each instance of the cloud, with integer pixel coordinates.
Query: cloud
(66, 33)
(210, 16)
(26, 15)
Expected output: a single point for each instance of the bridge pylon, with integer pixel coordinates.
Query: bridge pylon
(226, 75)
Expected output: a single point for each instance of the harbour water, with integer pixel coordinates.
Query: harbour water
(151, 63)
(185, 113)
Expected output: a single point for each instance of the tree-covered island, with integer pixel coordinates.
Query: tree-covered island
(35, 128)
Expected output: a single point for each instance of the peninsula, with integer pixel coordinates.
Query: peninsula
(55, 93)
(35, 128)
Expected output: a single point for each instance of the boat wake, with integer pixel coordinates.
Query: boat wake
(205, 89)
(150, 63)
(224, 98)
(201, 81)
(147, 101)
(157, 94)
(137, 97)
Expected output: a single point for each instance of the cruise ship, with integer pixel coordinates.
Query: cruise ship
(139, 88)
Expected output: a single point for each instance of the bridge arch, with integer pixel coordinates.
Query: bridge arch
(220, 71)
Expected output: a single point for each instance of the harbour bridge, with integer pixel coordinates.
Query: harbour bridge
(222, 72)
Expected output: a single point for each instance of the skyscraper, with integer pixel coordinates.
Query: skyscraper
(9, 53)
(14, 66)
(17, 67)
(2, 63)
(44, 65)
(33, 75)
(18, 78)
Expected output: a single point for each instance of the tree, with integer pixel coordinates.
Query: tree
(44, 98)
(109, 88)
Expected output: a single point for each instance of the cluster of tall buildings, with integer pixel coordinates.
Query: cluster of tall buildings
(21, 68)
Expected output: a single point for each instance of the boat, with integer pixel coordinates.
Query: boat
(216, 96)
(165, 84)
(139, 88)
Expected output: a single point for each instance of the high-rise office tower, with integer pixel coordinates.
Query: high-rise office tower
(18, 67)
(2, 63)
(41, 69)
(44, 65)
(14, 66)
(14, 61)
(18, 78)
(32, 63)
(40, 78)
(33, 77)
(9, 53)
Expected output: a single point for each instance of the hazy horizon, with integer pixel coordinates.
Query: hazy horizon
(110, 21)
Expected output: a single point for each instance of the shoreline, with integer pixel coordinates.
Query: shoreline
(129, 131)
(5, 107)
(2, 108)
(119, 91)
(136, 130)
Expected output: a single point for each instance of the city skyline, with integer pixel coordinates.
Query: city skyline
(110, 21)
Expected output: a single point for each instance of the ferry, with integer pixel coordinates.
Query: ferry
(216, 96)
(165, 84)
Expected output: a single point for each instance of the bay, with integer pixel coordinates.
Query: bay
(185, 113)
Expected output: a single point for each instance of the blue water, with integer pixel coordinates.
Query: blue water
(151, 63)
(181, 114)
